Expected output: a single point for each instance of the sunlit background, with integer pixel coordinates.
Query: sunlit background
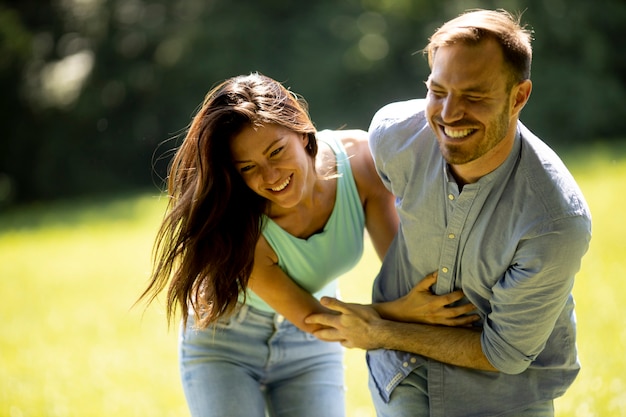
(91, 88)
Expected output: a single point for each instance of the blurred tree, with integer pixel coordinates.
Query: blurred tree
(579, 71)
(96, 93)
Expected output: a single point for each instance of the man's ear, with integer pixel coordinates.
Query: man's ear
(520, 95)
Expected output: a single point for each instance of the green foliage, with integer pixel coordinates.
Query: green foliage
(96, 93)
(73, 344)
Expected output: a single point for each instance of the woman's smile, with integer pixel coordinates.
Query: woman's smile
(283, 185)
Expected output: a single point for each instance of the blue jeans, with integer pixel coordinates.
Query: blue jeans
(257, 364)
(410, 399)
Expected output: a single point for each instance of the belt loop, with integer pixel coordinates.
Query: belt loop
(278, 320)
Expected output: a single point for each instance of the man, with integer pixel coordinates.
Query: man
(496, 214)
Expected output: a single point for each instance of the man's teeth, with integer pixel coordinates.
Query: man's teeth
(457, 133)
(283, 185)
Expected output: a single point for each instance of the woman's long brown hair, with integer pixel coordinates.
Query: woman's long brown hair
(204, 249)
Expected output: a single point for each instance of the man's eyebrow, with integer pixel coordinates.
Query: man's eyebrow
(478, 89)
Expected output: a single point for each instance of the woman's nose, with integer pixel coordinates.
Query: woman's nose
(269, 174)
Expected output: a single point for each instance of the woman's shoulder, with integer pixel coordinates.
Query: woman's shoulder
(335, 145)
(354, 141)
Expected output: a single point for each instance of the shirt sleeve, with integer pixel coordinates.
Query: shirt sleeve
(391, 140)
(530, 298)
(376, 132)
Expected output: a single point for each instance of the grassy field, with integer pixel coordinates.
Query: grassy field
(73, 345)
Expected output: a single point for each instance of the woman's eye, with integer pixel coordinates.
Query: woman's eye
(276, 151)
(246, 168)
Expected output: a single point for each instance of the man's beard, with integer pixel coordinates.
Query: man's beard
(495, 132)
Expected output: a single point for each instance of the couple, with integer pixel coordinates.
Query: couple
(479, 225)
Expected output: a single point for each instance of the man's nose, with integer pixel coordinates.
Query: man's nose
(452, 109)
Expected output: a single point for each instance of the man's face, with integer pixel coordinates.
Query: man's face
(469, 102)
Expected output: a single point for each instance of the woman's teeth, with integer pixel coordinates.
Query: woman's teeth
(283, 185)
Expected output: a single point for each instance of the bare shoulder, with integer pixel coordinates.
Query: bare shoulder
(354, 140)
(264, 255)
(363, 169)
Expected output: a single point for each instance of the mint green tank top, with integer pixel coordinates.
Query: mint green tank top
(315, 263)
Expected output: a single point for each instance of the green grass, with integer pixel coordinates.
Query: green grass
(73, 345)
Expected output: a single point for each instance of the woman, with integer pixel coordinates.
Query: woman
(265, 214)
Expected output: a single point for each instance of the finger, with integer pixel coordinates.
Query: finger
(461, 310)
(324, 319)
(328, 335)
(464, 320)
(450, 298)
(347, 344)
(334, 304)
(427, 282)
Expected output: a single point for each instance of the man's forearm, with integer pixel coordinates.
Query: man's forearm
(360, 326)
(388, 310)
(451, 345)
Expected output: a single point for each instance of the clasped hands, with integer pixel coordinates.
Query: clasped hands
(358, 325)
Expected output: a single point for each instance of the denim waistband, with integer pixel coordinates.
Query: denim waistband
(245, 310)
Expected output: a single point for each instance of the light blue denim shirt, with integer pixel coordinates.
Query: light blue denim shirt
(512, 241)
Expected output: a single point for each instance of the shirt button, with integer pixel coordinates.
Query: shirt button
(451, 236)
(405, 364)
(450, 197)
(280, 319)
(444, 270)
(413, 360)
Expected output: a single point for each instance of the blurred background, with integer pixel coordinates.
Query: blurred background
(93, 92)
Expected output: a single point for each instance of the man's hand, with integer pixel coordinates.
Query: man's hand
(353, 327)
(420, 305)
(360, 326)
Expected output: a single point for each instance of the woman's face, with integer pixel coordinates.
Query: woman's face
(273, 162)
